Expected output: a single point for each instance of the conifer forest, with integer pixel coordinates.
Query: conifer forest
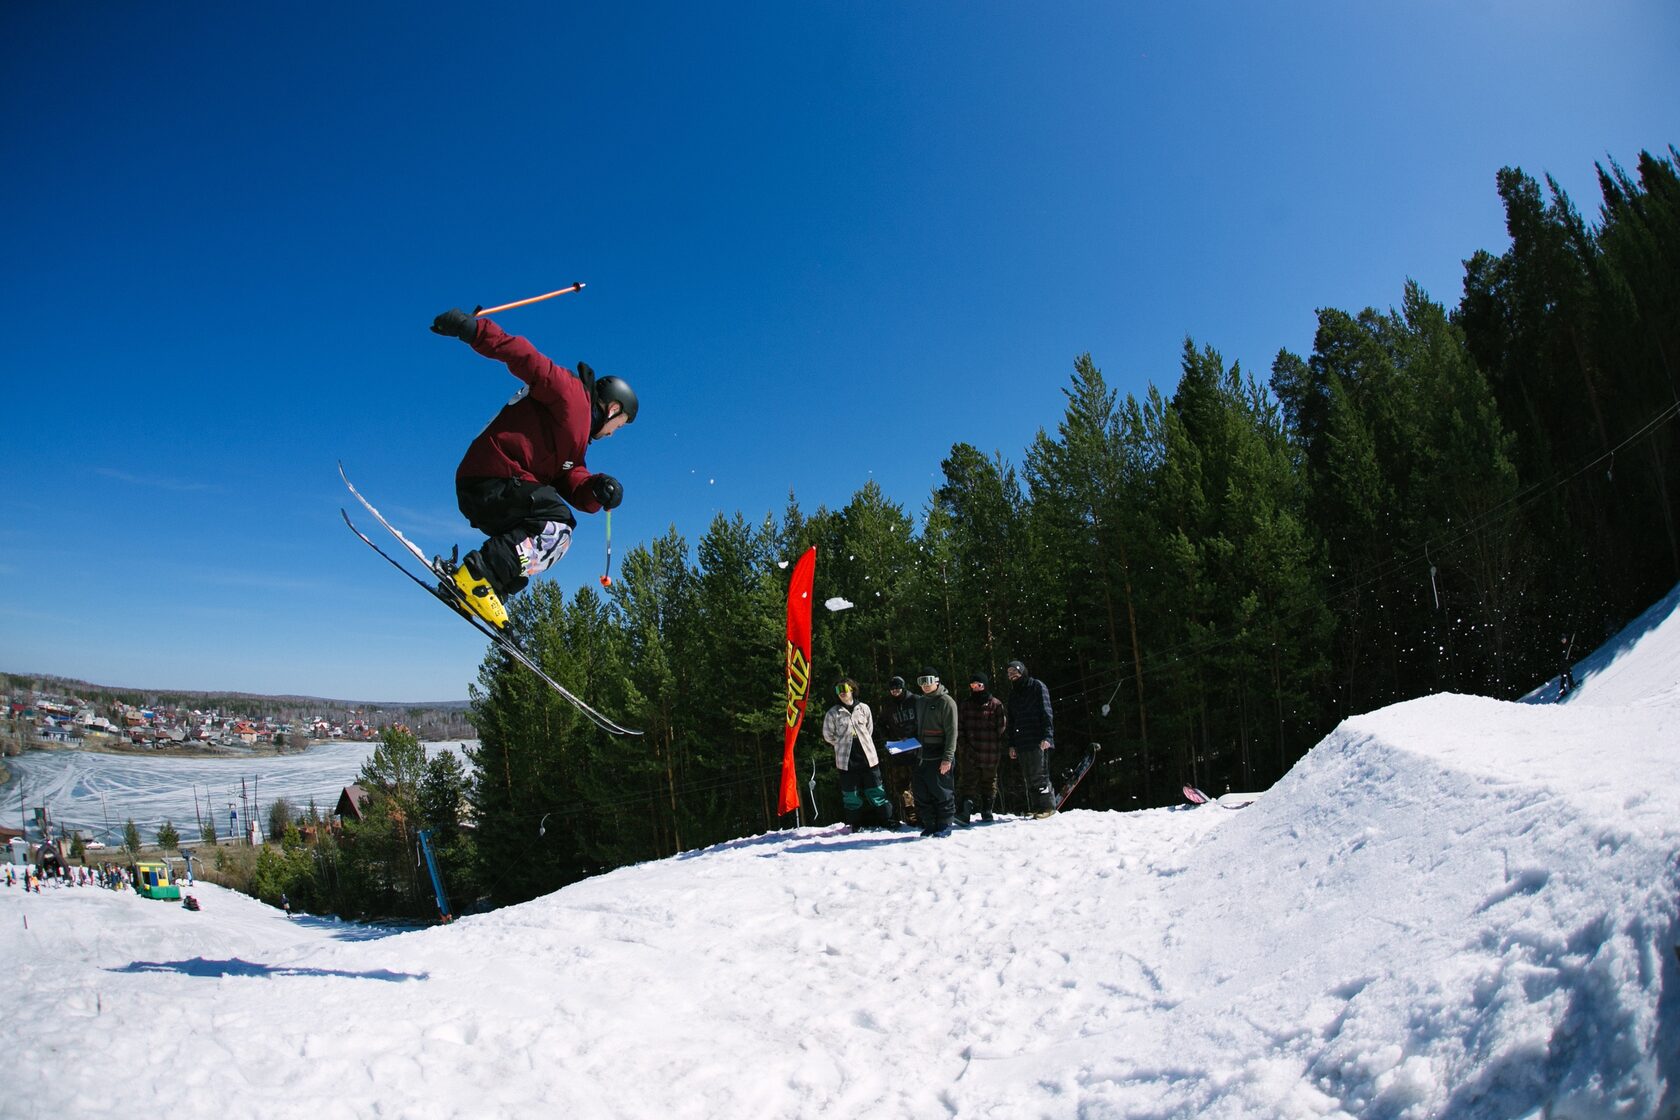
(1438, 497)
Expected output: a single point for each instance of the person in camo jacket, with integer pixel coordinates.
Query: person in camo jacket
(979, 749)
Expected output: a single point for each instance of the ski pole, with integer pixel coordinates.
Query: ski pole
(812, 786)
(483, 311)
(606, 576)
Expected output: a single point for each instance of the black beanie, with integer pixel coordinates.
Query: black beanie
(981, 679)
(896, 682)
(930, 671)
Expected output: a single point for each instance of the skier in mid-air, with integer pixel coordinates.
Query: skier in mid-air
(523, 475)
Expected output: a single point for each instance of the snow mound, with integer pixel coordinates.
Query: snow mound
(1639, 666)
(1452, 907)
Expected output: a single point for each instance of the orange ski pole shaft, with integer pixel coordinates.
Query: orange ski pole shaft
(483, 311)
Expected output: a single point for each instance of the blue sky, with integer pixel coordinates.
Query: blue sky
(823, 241)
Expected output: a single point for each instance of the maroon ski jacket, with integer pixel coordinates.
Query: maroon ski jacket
(982, 723)
(541, 435)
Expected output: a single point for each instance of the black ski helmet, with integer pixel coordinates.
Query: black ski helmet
(610, 389)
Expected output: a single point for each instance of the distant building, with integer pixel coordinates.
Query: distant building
(351, 803)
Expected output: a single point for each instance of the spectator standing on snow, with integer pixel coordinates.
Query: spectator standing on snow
(936, 729)
(1032, 736)
(898, 722)
(849, 727)
(979, 749)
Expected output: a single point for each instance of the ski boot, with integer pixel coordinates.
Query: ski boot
(986, 807)
(907, 812)
(472, 590)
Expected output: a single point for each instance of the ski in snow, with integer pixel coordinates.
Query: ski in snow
(444, 592)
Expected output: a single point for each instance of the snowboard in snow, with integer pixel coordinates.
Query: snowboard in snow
(443, 590)
(1071, 780)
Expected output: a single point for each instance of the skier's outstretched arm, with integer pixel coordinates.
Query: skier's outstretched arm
(545, 377)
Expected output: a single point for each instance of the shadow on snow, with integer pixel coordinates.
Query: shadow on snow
(211, 969)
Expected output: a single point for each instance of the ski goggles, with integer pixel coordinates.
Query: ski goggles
(925, 681)
(842, 690)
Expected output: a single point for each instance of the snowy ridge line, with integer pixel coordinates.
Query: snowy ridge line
(1605, 678)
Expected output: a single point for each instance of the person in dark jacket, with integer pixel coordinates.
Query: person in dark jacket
(522, 477)
(936, 728)
(898, 723)
(979, 749)
(1032, 736)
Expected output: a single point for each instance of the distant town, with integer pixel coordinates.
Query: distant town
(66, 720)
(48, 713)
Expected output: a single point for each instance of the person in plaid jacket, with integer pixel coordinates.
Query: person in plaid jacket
(980, 746)
(849, 727)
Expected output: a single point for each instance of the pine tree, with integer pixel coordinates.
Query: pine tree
(379, 860)
(984, 502)
(442, 790)
(655, 597)
(1455, 485)
(1088, 486)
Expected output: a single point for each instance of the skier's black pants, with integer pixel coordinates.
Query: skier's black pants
(1035, 771)
(977, 782)
(936, 799)
(529, 527)
(862, 800)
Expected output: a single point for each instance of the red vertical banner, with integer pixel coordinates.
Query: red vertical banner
(798, 671)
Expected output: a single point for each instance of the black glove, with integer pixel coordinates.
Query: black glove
(608, 490)
(456, 323)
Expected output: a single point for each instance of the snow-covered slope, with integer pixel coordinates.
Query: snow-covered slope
(1452, 907)
(1610, 679)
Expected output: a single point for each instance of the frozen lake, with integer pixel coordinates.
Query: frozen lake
(100, 792)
